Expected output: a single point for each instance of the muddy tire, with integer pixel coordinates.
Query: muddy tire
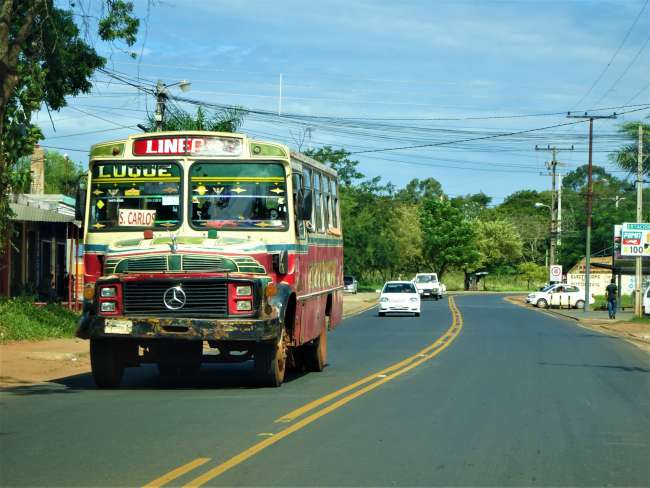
(315, 354)
(106, 363)
(541, 303)
(270, 363)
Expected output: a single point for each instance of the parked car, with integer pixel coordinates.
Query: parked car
(428, 285)
(559, 294)
(646, 301)
(350, 284)
(399, 296)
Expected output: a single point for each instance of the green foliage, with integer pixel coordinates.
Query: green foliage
(62, 174)
(20, 319)
(417, 190)
(227, 120)
(44, 60)
(339, 160)
(447, 237)
(532, 273)
(498, 243)
(627, 156)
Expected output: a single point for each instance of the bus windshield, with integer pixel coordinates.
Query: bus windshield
(129, 195)
(236, 195)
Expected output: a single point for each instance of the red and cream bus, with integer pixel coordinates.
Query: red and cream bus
(197, 239)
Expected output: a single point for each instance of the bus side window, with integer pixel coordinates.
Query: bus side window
(318, 197)
(298, 196)
(307, 174)
(328, 202)
(335, 204)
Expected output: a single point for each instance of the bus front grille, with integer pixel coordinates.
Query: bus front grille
(202, 297)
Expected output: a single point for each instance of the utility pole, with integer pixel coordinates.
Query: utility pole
(556, 201)
(161, 98)
(558, 227)
(308, 131)
(638, 311)
(590, 189)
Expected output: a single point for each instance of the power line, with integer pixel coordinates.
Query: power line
(602, 73)
(627, 68)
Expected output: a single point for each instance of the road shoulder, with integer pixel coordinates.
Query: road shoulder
(635, 333)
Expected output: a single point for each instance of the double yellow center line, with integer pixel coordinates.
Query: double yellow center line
(343, 396)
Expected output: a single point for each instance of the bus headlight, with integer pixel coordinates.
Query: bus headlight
(108, 292)
(244, 291)
(244, 306)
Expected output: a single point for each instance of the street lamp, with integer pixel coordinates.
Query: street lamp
(161, 98)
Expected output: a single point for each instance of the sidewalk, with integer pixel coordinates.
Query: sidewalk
(636, 332)
(27, 363)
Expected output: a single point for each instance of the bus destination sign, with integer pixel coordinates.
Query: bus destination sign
(187, 146)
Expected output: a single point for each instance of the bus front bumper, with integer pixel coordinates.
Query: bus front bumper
(231, 329)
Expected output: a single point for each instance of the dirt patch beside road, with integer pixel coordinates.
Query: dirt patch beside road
(634, 332)
(25, 363)
(28, 363)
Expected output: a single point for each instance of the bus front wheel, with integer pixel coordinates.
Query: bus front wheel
(106, 363)
(270, 362)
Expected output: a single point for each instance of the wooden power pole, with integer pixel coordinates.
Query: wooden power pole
(590, 190)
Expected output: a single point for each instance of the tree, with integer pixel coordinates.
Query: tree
(227, 120)
(448, 239)
(498, 243)
(474, 206)
(627, 156)
(532, 272)
(576, 180)
(532, 224)
(44, 59)
(417, 190)
(339, 160)
(61, 174)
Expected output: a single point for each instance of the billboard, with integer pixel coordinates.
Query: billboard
(635, 239)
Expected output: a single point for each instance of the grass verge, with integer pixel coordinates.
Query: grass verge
(21, 320)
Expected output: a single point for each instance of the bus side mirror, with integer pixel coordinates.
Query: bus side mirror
(305, 209)
(281, 262)
(80, 204)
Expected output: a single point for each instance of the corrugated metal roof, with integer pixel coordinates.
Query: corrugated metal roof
(35, 214)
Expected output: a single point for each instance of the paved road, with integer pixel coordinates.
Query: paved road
(515, 398)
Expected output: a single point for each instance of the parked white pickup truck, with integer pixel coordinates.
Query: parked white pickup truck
(428, 285)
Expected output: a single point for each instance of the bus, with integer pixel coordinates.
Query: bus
(208, 247)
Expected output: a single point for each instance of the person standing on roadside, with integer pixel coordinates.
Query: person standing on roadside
(611, 292)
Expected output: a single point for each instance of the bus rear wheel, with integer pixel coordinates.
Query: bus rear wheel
(271, 362)
(106, 363)
(315, 354)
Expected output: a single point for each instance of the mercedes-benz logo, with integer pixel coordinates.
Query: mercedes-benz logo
(174, 298)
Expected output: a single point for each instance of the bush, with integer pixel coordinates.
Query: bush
(21, 319)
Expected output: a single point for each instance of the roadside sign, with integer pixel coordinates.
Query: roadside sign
(635, 239)
(130, 217)
(555, 273)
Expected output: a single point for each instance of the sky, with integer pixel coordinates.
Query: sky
(371, 76)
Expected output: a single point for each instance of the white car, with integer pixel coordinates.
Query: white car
(350, 284)
(646, 301)
(399, 296)
(559, 294)
(427, 285)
